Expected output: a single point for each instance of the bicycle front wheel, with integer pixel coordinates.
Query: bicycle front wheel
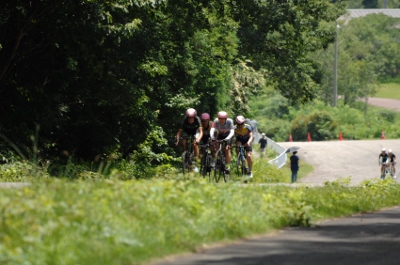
(205, 168)
(185, 162)
(219, 170)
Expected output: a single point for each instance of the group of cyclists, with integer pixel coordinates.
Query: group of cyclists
(387, 159)
(222, 128)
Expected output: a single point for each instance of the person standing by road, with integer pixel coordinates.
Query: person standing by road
(294, 166)
(263, 144)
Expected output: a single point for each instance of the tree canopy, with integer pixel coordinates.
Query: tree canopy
(93, 77)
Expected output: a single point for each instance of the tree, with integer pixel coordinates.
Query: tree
(98, 77)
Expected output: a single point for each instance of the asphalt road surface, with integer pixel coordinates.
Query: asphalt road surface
(372, 238)
(338, 159)
(357, 240)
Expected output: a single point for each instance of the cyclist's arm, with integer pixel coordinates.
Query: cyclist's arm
(200, 135)
(231, 133)
(212, 132)
(178, 135)
(250, 139)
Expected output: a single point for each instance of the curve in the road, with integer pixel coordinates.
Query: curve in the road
(332, 160)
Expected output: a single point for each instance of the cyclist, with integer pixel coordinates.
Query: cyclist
(206, 124)
(190, 126)
(244, 137)
(225, 129)
(383, 160)
(392, 161)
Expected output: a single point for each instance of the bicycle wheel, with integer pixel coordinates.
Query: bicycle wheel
(185, 162)
(240, 166)
(205, 165)
(208, 165)
(219, 169)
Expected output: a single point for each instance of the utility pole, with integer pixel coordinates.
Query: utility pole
(335, 67)
(384, 3)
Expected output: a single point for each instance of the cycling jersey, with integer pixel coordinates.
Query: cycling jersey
(224, 130)
(243, 135)
(392, 158)
(243, 131)
(383, 157)
(190, 128)
(206, 132)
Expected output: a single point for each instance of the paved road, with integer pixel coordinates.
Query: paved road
(337, 159)
(393, 104)
(372, 238)
(357, 240)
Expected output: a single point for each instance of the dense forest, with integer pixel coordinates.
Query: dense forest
(91, 80)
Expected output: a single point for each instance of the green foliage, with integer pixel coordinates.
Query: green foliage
(118, 222)
(98, 76)
(320, 124)
(21, 172)
(356, 122)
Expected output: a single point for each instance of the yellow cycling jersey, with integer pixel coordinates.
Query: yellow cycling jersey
(243, 130)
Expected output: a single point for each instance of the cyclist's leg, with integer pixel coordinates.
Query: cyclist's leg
(184, 140)
(249, 159)
(228, 154)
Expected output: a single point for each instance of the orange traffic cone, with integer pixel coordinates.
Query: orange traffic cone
(308, 137)
(290, 138)
(340, 136)
(383, 135)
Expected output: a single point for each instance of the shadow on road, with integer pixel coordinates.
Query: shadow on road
(372, 238)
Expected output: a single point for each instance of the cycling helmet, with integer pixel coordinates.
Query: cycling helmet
(240, 119)
(390, 150)
(205, 116)
(191, 112)
(222, 115)
(384, 149)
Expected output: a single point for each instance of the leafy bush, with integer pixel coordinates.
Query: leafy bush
(320, 124)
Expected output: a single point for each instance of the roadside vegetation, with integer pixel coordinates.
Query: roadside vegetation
(88, 125)
(106, 221)
(356, 122)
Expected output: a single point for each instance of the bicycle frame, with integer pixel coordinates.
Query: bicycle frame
(187, 156)
(220, 166)
(205, 166)
(386, 169)
(241, 160)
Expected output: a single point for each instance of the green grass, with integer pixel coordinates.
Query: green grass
(389, 90)
(133, 222)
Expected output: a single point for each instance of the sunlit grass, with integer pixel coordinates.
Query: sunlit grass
(132, 222)
(389, 90)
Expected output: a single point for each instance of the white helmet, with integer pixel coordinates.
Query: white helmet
(390, 150)
(240, 119)
(384, 149)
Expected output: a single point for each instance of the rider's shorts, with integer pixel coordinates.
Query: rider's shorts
(244, 141)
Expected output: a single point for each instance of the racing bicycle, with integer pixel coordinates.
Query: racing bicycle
(241, 168)
(187, 156)
(386, 170)
(205, 166)
(220, 170)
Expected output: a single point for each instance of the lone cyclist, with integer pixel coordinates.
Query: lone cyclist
(244, 137)
(392, 160)
(383, 160)
(225, 129)
(190, 126)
